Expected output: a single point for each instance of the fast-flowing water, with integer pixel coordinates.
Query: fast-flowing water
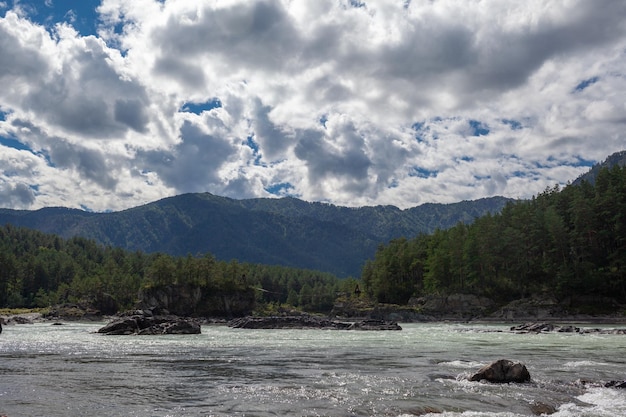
(68, 370)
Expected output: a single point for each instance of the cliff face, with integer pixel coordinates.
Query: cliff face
(187, 300)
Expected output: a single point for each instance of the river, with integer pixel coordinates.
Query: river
(68, 370)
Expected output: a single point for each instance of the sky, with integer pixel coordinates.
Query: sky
(107, 105)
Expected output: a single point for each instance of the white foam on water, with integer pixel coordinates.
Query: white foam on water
(462, 364)
(583, 364)
(467, 414)
(596, 402)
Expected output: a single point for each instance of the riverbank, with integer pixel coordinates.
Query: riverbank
(24, 318)
(453, 308)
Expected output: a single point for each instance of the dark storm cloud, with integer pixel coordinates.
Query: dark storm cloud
(193, 164)
(486, 56)
(427, 52)
(187, 74)
(89, 163)
(131, 113)
(252, 33)
(324, 160)
(272, 139)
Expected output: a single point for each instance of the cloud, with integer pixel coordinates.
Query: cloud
(354, 103)
(17, 195)
(194, 163)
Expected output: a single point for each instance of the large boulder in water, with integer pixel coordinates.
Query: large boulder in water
(502, 371)
(143, 322)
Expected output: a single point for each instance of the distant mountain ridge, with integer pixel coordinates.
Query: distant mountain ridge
(285, 231)
(618, 158)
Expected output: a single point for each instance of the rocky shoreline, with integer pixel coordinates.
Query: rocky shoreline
(571, 324)
(535, 314)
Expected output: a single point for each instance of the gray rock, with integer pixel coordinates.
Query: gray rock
(144, 323)
(502, 371)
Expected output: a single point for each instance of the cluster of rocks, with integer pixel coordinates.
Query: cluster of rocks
(26, 318)
(310, 322)
(534, 327)
(145, 322)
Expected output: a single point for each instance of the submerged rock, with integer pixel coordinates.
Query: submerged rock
(502, 371)
(542, 409)
(309, 322)
(141, 322)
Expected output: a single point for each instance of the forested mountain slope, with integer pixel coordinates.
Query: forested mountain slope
(285, 231)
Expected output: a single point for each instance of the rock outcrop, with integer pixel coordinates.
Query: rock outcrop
(502, 371)
(143, 322)
(190, 300)
(309, 322)
(540, 327)
(453, 306)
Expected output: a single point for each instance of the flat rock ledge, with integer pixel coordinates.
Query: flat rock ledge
(502, 371)
(534, 327)
(309, 322)
(142, 322)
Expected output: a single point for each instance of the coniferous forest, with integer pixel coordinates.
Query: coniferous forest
(39, 270)
(561, 243)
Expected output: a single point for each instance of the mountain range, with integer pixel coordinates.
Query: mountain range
(285, 231)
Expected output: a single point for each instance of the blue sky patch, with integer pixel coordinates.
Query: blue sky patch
(14, 143)
(357, 4)
(251, 143)
(198, 108)
(81, 15)
(478, 128)
(417, 126)
(586, 83)
(582, 162)
(513, 124)
(323, 120)
(281, 188)
(421, 172)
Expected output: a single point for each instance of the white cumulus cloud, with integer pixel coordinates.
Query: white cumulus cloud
(353, 103)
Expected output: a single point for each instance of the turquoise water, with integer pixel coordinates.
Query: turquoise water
(69, 370)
